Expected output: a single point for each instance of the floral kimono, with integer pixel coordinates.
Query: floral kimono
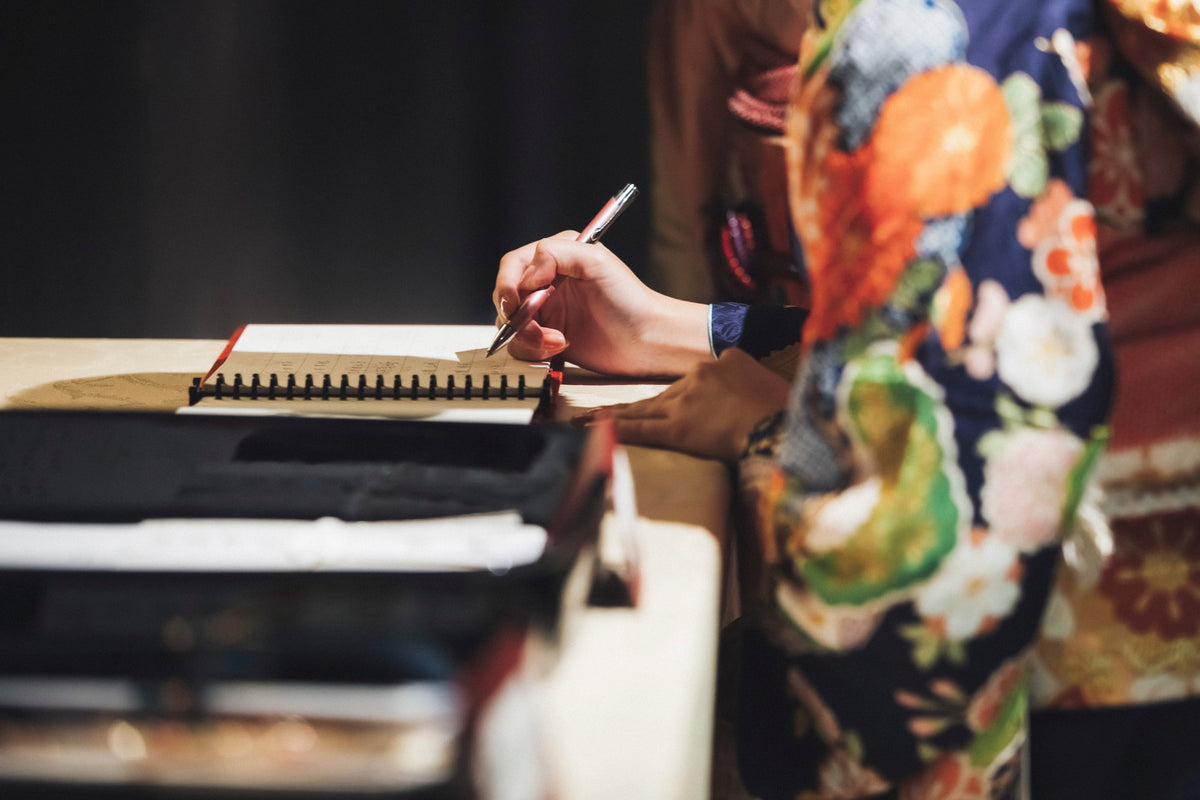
(907, 511)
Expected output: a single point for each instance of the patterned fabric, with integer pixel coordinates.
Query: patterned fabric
(908, 509)
(1125, 628)
(764, 331)
(726, 323)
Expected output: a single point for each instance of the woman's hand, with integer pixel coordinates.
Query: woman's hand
(709, 412)
(600, 315)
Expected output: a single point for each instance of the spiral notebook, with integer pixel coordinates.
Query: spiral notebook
(424, 371)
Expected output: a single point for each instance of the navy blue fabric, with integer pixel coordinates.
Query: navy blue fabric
(758, 329)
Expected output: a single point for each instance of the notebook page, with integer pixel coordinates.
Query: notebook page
(377, 361)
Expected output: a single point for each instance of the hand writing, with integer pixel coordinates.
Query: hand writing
(601, 316)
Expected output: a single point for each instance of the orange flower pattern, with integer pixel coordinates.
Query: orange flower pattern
(944, 169)
(860, 214)
(860, 248)
(1066, 261)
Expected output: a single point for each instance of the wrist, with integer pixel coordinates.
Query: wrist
(676, 338)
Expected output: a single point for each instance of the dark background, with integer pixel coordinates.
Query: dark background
(175, 169)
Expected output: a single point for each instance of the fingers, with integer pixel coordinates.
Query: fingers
(535, 343)
(558, 256)
(505, 296)
(648, 421)
(656, 431)
(643, 423)
(518, 273)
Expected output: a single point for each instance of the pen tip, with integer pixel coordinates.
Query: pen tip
(502, 337)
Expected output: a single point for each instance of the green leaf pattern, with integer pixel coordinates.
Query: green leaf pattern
(896, 415)
(1038, 128)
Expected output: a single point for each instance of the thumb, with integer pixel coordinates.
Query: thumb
(535, 343)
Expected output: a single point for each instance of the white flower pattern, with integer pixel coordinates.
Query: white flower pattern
(975, 586)
(1045, 352)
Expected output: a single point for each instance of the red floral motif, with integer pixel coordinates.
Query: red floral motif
(982, 711)
(951, 777)
(1154, 580)
(1116, 187)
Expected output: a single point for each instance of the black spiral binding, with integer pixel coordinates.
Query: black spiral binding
(381, 389)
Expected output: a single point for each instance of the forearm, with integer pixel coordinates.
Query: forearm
(673, 340)
(681, 334)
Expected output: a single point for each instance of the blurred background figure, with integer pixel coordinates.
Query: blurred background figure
(719, 75)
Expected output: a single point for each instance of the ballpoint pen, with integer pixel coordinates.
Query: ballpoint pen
(592, 233)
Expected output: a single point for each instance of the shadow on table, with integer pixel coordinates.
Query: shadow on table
(139, 391)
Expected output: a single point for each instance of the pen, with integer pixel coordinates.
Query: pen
(592, 233)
